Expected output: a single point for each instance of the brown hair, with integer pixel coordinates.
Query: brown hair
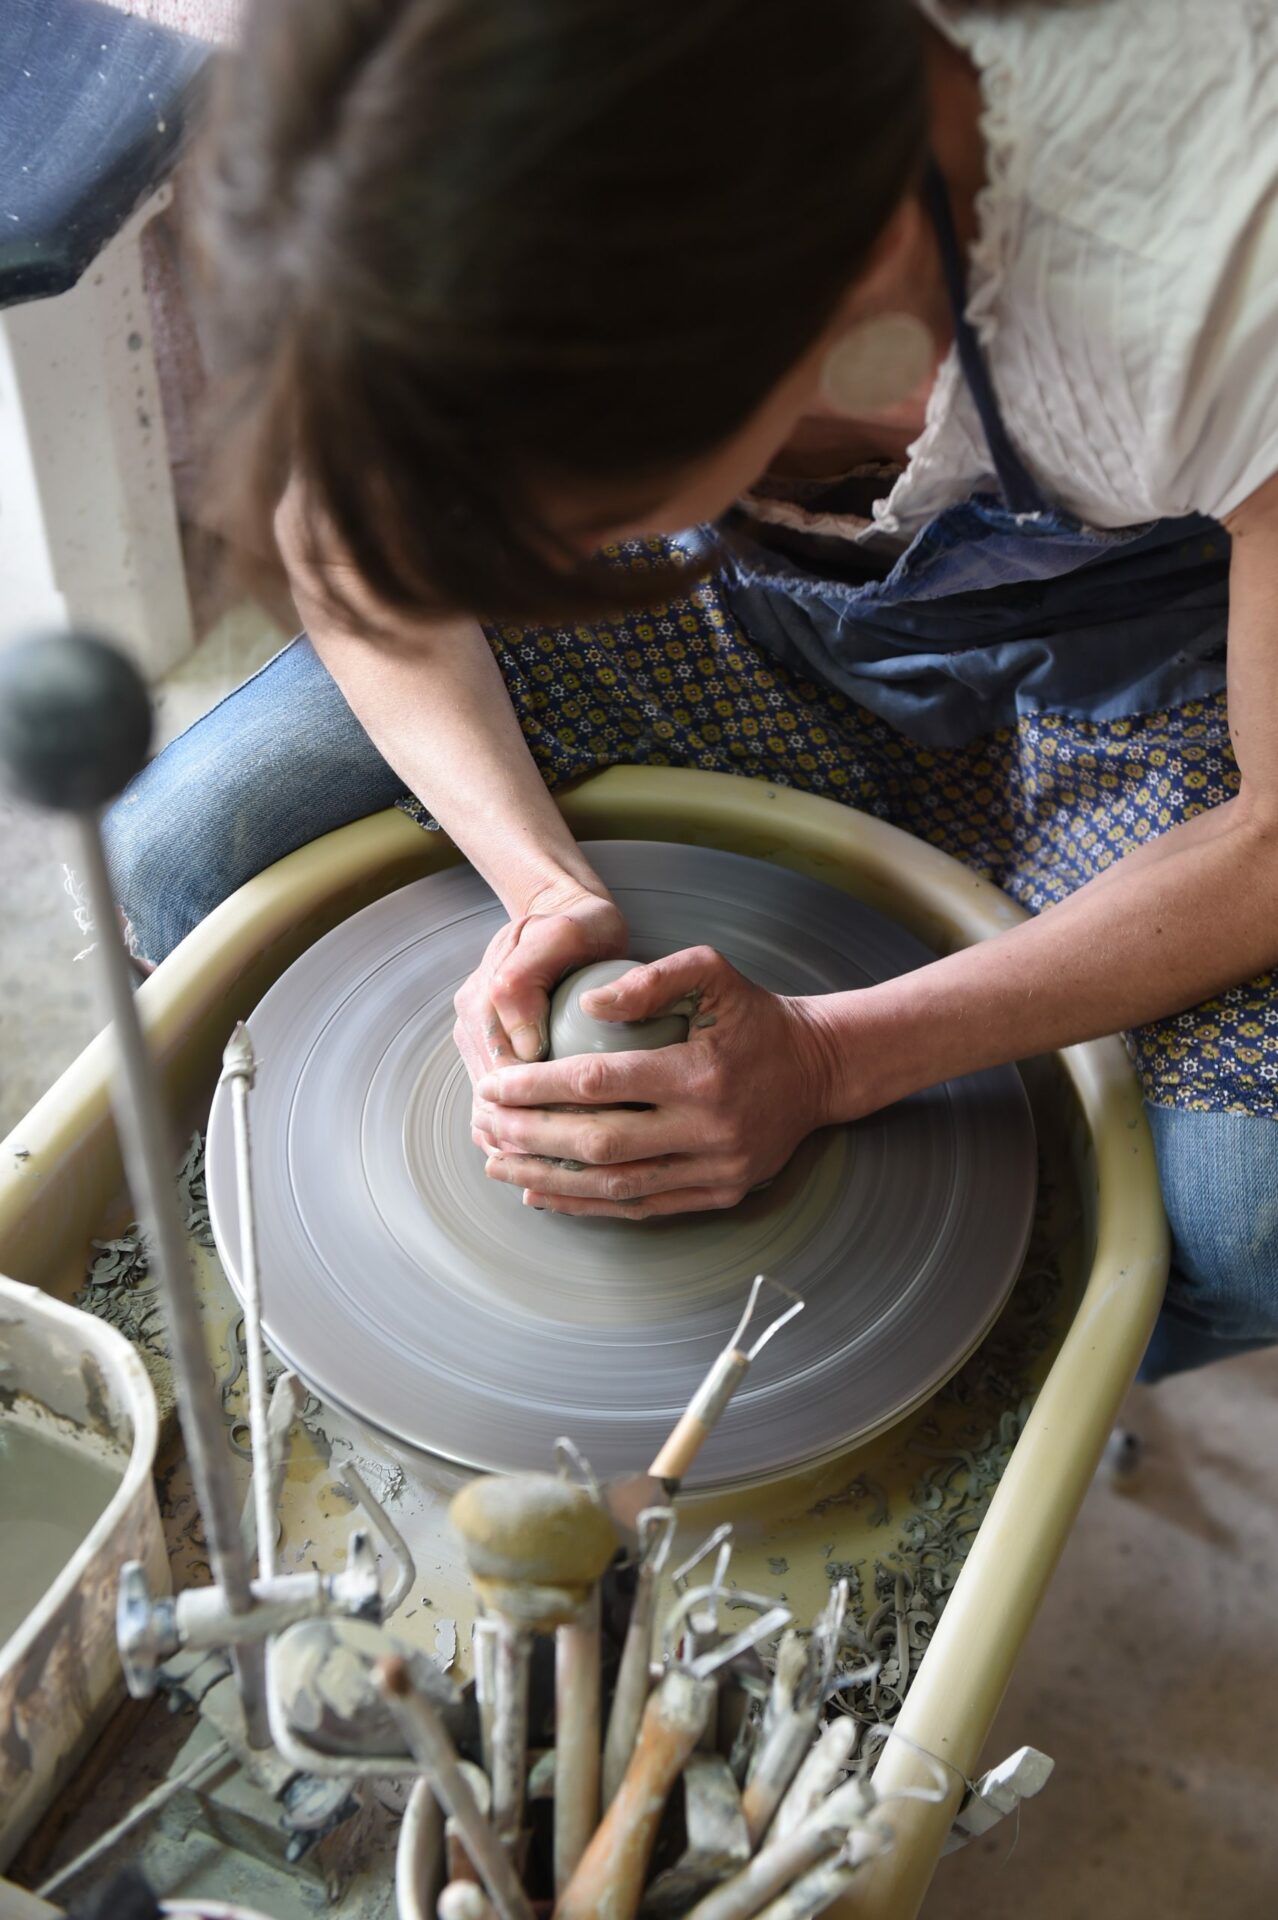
(454, 248)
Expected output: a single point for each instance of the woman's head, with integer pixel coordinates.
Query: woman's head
(498, 277)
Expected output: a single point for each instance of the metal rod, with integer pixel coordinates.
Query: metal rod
(239, 1070)
(392, 1538)
(212, 1758)
(434, 1751)
(146, 1157)
(483, 1649)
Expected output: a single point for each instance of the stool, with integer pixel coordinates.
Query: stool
(93, 104)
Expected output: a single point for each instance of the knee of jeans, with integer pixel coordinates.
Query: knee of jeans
(1219, 1174)
(159, 894)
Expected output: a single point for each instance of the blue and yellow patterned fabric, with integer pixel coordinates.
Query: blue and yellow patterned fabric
(1039, 806)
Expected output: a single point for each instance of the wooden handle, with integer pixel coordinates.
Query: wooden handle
(577, 1739)
(608, 1884)
(630, 1694)
(681, 1449)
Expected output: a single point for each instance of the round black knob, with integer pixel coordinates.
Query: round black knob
(75, 720)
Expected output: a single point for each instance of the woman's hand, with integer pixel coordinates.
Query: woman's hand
(502, 1008)
(721, 1112)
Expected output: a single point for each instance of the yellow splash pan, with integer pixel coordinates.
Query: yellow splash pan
(60, 1180)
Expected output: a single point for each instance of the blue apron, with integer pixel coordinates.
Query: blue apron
(1000, 607)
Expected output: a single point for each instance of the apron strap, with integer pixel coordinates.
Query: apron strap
(1020, 491)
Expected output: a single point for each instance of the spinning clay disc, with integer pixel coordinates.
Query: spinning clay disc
(573, 1030)
(428, 1301)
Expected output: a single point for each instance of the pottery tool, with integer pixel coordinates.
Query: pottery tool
(817, 1840)
(458, 1863)
(717, 1842)
(75, 726)
(435, 1753)
(535, 1548)
(679, 1450)
(824, 1765)
(578, 1655)
(492, 1329)
(656, 1528)
(803, 1675)
(612, 1871)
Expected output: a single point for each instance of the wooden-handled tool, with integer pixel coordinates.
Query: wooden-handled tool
(435, 1753)
(578, 1656)
(535, 1546)
(608, 1884)
(656, 1533)
(800, 1683)
(627, 1498)
(826, 1763)
(824, 1835)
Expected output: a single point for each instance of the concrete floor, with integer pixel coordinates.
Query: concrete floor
(1151, 1675)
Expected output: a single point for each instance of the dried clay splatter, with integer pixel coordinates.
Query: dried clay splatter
(894, 1611)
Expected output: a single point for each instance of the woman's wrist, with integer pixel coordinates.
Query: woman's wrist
(557, 888)
(859, 1056)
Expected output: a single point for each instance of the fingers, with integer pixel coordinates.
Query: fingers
(620, 1186)
(595, 1080)
(479, 1035)
(593, 1139)
(689, 977)
(519, 1004)
(654, 1206)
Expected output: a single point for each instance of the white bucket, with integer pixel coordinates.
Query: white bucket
(59, 1669)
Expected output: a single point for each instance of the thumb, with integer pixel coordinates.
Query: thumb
(519, 990)
(683, 983)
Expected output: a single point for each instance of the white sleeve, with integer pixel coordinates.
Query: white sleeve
(1221, 418)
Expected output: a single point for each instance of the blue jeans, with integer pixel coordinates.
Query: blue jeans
(283, 760)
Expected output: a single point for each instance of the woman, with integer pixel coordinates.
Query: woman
(952, 330)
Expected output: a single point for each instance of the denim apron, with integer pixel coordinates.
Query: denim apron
(1030, 694)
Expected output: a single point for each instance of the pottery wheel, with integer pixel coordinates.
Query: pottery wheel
(408, 1289)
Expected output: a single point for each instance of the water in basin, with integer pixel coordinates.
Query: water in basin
(52, 1489)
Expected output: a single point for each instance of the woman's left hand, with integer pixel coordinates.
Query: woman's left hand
(722, 1111)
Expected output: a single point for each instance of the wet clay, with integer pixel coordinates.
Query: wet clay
(51, 1492)
(573, 1030)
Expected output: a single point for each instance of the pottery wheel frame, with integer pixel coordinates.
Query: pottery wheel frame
(905, 1233)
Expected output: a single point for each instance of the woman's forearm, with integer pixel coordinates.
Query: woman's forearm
(1150, 937)
(435, 706)
(431, 698)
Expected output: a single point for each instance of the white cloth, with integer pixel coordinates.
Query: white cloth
(1124, 281)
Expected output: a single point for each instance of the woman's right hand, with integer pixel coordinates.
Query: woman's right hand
(503, 1008)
